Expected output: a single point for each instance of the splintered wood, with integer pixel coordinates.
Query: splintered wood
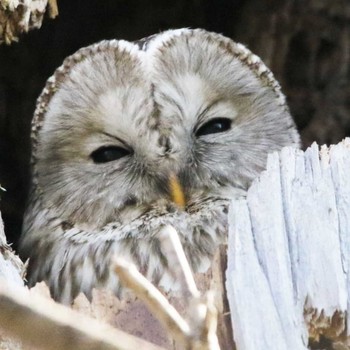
(289, 253)
(12, 272)
(43, 324)
(18, 16)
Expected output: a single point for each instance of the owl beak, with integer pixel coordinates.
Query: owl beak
(176, 191)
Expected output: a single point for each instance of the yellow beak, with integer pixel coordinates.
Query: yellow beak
(176, 191)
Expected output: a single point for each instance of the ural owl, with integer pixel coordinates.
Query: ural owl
(115, 125)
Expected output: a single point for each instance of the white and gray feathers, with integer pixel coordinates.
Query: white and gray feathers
(114, 123)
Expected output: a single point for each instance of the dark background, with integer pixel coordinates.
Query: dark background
(306, 43)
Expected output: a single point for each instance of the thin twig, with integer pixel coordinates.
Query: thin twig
(199, 331)
(154, 299)
(211, 321)
(172, 248)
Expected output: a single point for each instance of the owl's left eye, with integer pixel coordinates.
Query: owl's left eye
(214, 126)
(108, 154)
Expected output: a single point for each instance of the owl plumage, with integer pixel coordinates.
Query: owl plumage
(114, 124)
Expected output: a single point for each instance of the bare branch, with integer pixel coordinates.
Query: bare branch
(199, 331)
(172, 248)
(44, 324)
(153, 298)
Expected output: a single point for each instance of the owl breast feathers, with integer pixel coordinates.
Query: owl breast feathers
(114, 124)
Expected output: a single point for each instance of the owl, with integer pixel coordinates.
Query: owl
(116, 126)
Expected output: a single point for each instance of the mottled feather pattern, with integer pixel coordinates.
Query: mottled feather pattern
(81, 259)
(152, 99)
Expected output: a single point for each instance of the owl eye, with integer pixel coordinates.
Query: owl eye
(214, 126)
(108, 154)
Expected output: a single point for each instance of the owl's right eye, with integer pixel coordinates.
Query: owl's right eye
(108, 154)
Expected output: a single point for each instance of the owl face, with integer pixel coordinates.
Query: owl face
(126, 119)
(119, 129)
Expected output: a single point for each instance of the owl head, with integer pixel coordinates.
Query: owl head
(119, 121)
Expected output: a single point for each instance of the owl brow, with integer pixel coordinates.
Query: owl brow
(202, 114)
(116, 138)
(172, 100)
